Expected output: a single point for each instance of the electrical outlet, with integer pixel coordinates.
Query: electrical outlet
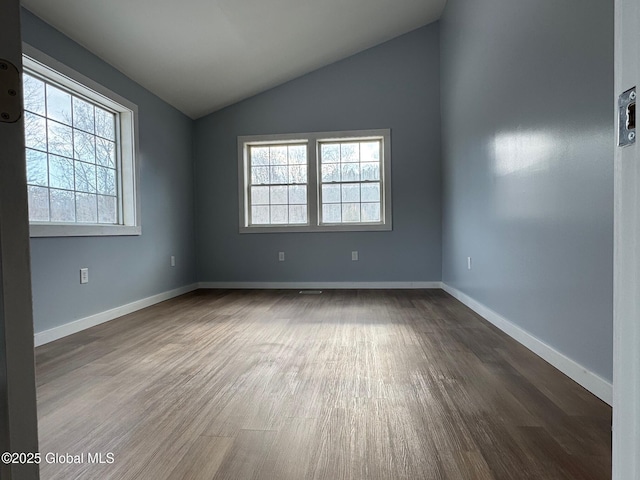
(84, 275)
(354, 256)
(173, 260)
(281, 256)
(468, 263)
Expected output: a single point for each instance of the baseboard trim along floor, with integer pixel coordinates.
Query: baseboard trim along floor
(320, 285)
(597, 385)
(76, 326)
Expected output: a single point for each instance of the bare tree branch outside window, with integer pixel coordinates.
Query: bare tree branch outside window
(71, 146)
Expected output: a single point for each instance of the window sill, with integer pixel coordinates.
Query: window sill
(73, 230)
(318, 228)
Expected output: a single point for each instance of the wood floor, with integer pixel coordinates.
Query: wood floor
(275, 385)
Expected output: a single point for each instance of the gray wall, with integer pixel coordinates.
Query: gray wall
(528, 172)
(121, 269)
(394, 85)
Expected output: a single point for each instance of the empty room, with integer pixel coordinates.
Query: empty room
(342, 239)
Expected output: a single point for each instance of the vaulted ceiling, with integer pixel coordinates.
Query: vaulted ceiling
(202, 55)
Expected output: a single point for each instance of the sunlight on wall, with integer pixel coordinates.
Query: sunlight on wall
(520, 159)
(522, 152)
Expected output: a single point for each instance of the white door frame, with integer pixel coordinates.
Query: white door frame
(18, 419)
(626, 322)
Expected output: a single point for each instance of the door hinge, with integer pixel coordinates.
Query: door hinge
(10, 101)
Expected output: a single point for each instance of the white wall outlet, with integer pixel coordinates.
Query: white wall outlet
(281, 256)
(354, 256)
(468, 263)
(84, 275)
(173, 260)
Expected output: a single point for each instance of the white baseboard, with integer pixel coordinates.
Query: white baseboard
(320, 285)
(597, 385)
(70, 328)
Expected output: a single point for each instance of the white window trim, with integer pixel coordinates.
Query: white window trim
(49, 67)
(313, 186)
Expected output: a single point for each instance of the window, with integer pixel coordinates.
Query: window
(80, 152)
(350, 179)
(332, 181)
(278, 184)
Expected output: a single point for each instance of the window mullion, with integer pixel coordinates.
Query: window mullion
(313, 185)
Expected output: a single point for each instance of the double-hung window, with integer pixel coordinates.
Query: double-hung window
(80, 152)
(327, 181)
(278, 184)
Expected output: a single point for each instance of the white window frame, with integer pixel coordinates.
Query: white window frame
(42, 65)
(313, 140)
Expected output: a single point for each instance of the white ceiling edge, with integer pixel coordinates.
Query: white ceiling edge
(203, 55)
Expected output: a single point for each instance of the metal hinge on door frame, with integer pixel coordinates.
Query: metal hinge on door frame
(10, 101)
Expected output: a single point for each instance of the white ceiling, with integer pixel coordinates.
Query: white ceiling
(202, 55)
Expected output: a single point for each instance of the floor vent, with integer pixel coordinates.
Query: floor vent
(310, 292)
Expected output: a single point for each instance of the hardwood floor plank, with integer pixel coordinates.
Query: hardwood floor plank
(292, 451)
(246, 455)
(202, 460)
